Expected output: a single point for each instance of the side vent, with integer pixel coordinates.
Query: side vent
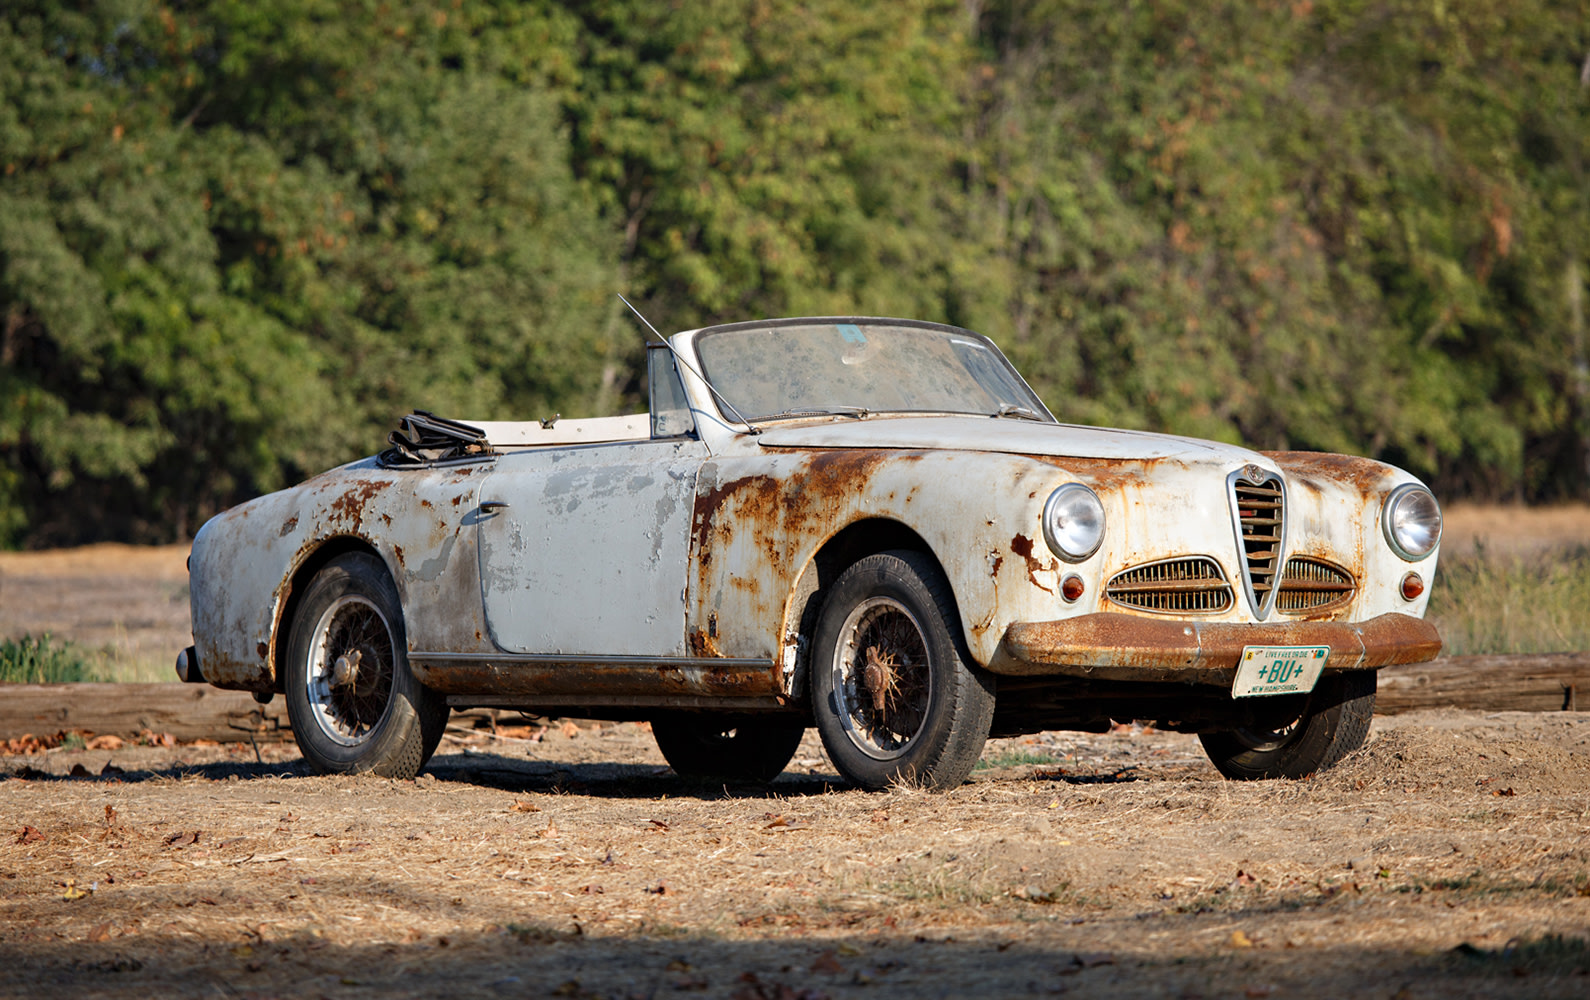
(1194, 585)
(1258, 503)
(1313, 585)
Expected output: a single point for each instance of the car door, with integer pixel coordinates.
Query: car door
(583, 550)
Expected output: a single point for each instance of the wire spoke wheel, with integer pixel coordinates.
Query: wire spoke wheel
(882, 675)
(894, 694)
(349, 680)
(354, 703)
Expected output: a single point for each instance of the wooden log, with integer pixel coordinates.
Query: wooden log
(1526, 683)
(1549, 682)
(186, 711)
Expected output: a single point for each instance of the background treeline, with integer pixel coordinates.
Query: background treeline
(238, 239)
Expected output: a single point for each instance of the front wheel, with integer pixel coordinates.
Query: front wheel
(895, 697)
(353, 704)
(1331, 724)
(736, 747)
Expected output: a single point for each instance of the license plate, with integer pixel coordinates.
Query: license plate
(1279, 670)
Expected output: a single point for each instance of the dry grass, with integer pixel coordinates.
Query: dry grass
(123, 608)
(1447, 858)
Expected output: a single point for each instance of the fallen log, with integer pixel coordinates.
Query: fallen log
(186, 711)
(1542, 682)
(1518, 683)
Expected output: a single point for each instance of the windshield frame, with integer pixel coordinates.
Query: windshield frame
(1036, 403)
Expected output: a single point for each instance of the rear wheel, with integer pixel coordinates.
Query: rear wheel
(894, 695)
(736, 747)
(1331, 723)
(352, 701)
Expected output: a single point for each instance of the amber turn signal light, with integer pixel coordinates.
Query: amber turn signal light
(1071, 588)
(1412, 587)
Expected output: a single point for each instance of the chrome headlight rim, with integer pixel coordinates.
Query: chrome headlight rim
(1071, 494)
(1388, 522)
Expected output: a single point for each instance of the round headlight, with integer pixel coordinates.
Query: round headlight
(1073, 522)
(1412, 522)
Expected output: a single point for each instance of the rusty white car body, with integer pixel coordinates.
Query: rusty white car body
(869, 525)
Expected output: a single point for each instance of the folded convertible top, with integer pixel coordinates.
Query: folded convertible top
(423, 438)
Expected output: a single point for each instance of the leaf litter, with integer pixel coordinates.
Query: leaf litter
(1132, 868)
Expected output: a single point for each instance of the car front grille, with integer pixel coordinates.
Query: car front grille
(1193, 585)
(1259, 502)
(1311, 585)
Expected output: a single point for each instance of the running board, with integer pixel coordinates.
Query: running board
(678, 682)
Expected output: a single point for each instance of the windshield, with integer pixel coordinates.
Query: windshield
(856, 368)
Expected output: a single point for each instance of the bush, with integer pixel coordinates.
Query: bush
(41, 661)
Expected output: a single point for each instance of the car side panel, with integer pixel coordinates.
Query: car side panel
(244, 561)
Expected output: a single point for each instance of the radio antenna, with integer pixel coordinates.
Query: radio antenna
(680, 358)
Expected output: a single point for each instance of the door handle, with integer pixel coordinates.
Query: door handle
(492, 506)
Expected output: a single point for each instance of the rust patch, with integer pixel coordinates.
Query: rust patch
(1363, 474)
(759, 491)
(703, 645)
(397, 553)
(769, 522)
(1109, 474)
(1022, 546)
(288, 526)
(263, 650)
(653, 684)
(350, 506)
(993, 566)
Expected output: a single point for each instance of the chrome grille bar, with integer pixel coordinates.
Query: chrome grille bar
(1258, 505)
(1191, 585)
(1313, 585)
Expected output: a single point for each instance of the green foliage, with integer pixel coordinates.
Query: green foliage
(41, 660)
(1295, 225)
(238, 239)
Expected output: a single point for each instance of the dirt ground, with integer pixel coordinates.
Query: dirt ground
(1449, 857)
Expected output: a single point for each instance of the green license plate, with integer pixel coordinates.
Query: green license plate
(1278, 670)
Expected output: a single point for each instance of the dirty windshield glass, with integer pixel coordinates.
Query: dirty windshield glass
(857, 369)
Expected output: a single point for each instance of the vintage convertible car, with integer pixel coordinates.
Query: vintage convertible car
(872, 526)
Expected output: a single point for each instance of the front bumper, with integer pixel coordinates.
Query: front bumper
(1117, 647)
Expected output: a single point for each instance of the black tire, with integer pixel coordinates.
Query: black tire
(1331, 724)
(894, 694)
(375, 716)
(733, 747)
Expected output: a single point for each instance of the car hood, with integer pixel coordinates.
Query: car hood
(1016, 437)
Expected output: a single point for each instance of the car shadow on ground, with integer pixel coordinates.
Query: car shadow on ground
(481, 770)
(614, 780)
